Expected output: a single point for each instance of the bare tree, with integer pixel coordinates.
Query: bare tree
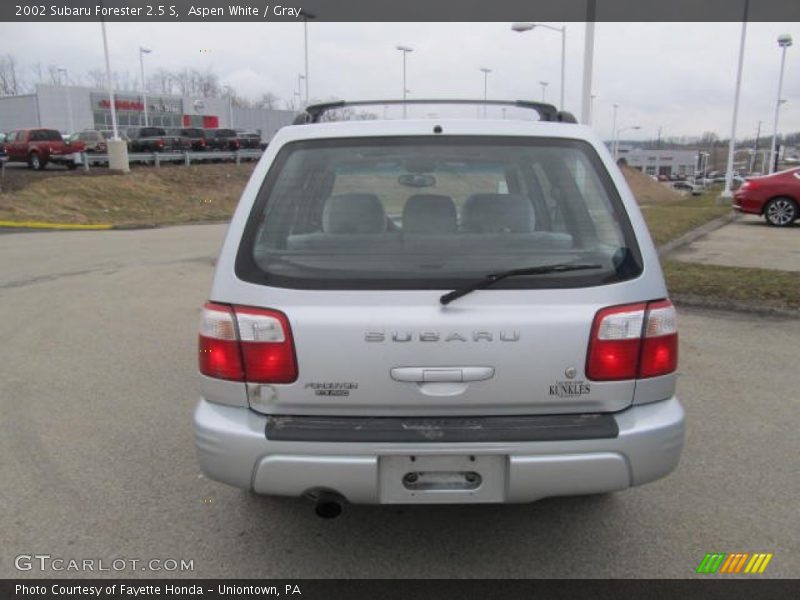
(10, 84)
(97, 78)
(268, 101)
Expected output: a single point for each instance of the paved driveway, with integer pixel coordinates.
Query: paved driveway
(747, 242)
(97, 367)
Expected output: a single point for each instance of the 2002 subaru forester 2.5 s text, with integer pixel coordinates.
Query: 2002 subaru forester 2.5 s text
(437, 311)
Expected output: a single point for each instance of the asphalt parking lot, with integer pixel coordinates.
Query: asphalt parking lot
(96, 394)
(747, 242)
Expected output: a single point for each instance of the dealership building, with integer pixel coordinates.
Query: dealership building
(659, 162)
(74, 108)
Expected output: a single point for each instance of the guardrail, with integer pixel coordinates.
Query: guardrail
(156, 158)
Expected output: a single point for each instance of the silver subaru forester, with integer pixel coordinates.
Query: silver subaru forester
(437, 311)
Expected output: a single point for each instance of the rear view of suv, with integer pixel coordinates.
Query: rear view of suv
(443, 311)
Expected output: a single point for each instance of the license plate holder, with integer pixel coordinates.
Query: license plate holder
(410, 479)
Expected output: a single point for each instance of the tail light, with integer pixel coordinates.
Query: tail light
(246, 344)
(633, 341)
(159, 143)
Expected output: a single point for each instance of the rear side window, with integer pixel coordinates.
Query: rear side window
(152, 132)
(48, 135)
(434, 213)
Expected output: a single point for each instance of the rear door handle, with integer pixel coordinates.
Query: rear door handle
(441, 374)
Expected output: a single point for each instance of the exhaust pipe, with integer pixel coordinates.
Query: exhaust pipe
(329, 505)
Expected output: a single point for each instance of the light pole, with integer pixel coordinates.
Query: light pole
(405, 50)
(522, 27)
(229, 90)
(591, 105)
(142, 52)
(726, 193)
(755, 149)
(784, 41)
(485, 72)
(300, 79)
(544, 88)
(65, 83)
(117, 149)
(614, 132)
(616, 138)
(306, 17)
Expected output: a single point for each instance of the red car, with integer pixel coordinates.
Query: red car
(775, 196)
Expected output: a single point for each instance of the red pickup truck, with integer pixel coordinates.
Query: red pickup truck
(37, 147)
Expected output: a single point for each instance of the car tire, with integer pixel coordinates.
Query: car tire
(71, 166)
(781, 212)
(34, 162)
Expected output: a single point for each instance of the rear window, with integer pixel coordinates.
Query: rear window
(225, 133)
(434, 213)
(46, 135)
(195, 133)
(152, 132)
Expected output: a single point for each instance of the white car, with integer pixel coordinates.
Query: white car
(437, 311)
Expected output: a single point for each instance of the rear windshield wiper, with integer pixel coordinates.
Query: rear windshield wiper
(493, 278)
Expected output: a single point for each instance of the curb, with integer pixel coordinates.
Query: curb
(61, 226)
(693, 301)
(697, 233)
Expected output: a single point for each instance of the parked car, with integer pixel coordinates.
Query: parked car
(38, 147)
(151, 139)
(94, 141)
(250, 140)
(109, 135)
(191, 138)
(223, 139)
(692, 188)
(776, 197)
(448, 311)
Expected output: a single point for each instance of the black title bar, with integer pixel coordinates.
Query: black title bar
(734, 588)
(404, 10)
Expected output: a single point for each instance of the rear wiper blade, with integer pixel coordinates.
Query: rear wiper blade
(493, 278)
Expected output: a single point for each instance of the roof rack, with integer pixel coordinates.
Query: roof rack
(547, 112)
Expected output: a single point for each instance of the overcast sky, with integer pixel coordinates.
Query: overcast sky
(679, 76)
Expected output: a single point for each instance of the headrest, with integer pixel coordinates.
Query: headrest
(498, 213)
(353, 213)
(429, 213)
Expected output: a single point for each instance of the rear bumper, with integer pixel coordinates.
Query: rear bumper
(745, 204)
(232, 447)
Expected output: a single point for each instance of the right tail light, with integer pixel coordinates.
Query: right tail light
(633, 341)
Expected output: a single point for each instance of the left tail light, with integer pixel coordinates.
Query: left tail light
(241, 343)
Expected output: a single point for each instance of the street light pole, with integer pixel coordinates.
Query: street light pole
(544, 88)
(405, 50)
(522, 27)
(784, 41)
(142, 52)
(69, 101)
(726, 193)
(616, 137)
(485, 72)
(306, 17)
(229, 89)
(300, 79)
(110, 83)
(614, 133)
(755, 149)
